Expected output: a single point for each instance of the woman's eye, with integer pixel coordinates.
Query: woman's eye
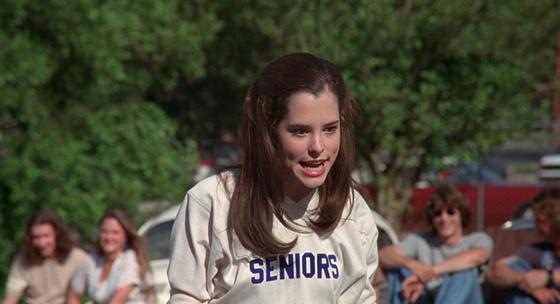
(331, 130)
(299, 132)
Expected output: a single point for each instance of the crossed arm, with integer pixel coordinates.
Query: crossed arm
(533, 282)
(392, 257)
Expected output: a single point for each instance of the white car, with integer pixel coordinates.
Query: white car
(157, 231)
(549, 168)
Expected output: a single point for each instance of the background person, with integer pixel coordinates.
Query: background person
(118, 271)
(439, 265)
(42, 270)
(288, 227)
(533, 273)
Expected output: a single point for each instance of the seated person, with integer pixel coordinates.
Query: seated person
(118, 271)
(42, 271)
(439, 265)
(533, 273)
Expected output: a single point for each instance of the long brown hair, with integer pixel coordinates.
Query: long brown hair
(258, 194)
(64, 243)
(133, 241)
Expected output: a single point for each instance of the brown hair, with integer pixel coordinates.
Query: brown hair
(449, 196)
(546, 193)
(258, 195)
(64, 243)
(133, 241)
(549, 207)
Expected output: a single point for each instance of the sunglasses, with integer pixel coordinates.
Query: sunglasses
(449, 210)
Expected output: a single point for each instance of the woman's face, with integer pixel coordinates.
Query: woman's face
(310, 138)
(112, 237)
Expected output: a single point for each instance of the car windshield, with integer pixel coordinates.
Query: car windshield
(157, 239)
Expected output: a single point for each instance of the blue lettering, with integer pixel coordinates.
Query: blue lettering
(297, 265)
(270, 269)
(308, 265)
(332, 262)
(286, 266)
(294, 266)
(256, 269)
(323, 266)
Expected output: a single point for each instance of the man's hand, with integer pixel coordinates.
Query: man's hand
(412, 288)
(546, 295)
(532, 280)
(423, 272)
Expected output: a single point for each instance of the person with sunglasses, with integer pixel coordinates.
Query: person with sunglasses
(441, 264)
(532, 274)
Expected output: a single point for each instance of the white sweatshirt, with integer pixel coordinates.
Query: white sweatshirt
(208, 267)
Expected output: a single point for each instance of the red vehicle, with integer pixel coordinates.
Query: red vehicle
(499, 201)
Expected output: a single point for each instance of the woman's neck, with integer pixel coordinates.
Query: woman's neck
(110, 257)
(301, 196)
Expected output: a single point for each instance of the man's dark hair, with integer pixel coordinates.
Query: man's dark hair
(64, 243)
(449, 196)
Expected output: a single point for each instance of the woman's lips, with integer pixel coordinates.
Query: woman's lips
(313, 168)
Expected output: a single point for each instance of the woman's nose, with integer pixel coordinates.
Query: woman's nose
(316, 147)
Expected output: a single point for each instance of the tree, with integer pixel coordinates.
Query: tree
(433, 78)
(77, 133)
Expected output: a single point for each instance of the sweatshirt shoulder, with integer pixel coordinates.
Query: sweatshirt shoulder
(216, 189)
(360, 207)
(210, 199)
(360, 212)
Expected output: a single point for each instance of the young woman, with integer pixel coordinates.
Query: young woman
(288, 226)
(118, 271)
(48, 259)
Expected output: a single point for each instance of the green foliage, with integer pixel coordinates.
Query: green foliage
(433, 78)
(118, 156)
(88, 89)
(77, 133)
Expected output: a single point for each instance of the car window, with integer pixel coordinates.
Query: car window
(158, 240)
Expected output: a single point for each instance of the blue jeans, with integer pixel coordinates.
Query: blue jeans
(516, 295)
(458, 287)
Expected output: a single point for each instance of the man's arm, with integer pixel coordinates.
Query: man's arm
(392, 257)
(501, 275)
(465, 260)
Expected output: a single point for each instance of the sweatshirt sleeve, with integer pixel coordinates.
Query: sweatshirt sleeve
(361, 289)
(369, 234)
(192, 262)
